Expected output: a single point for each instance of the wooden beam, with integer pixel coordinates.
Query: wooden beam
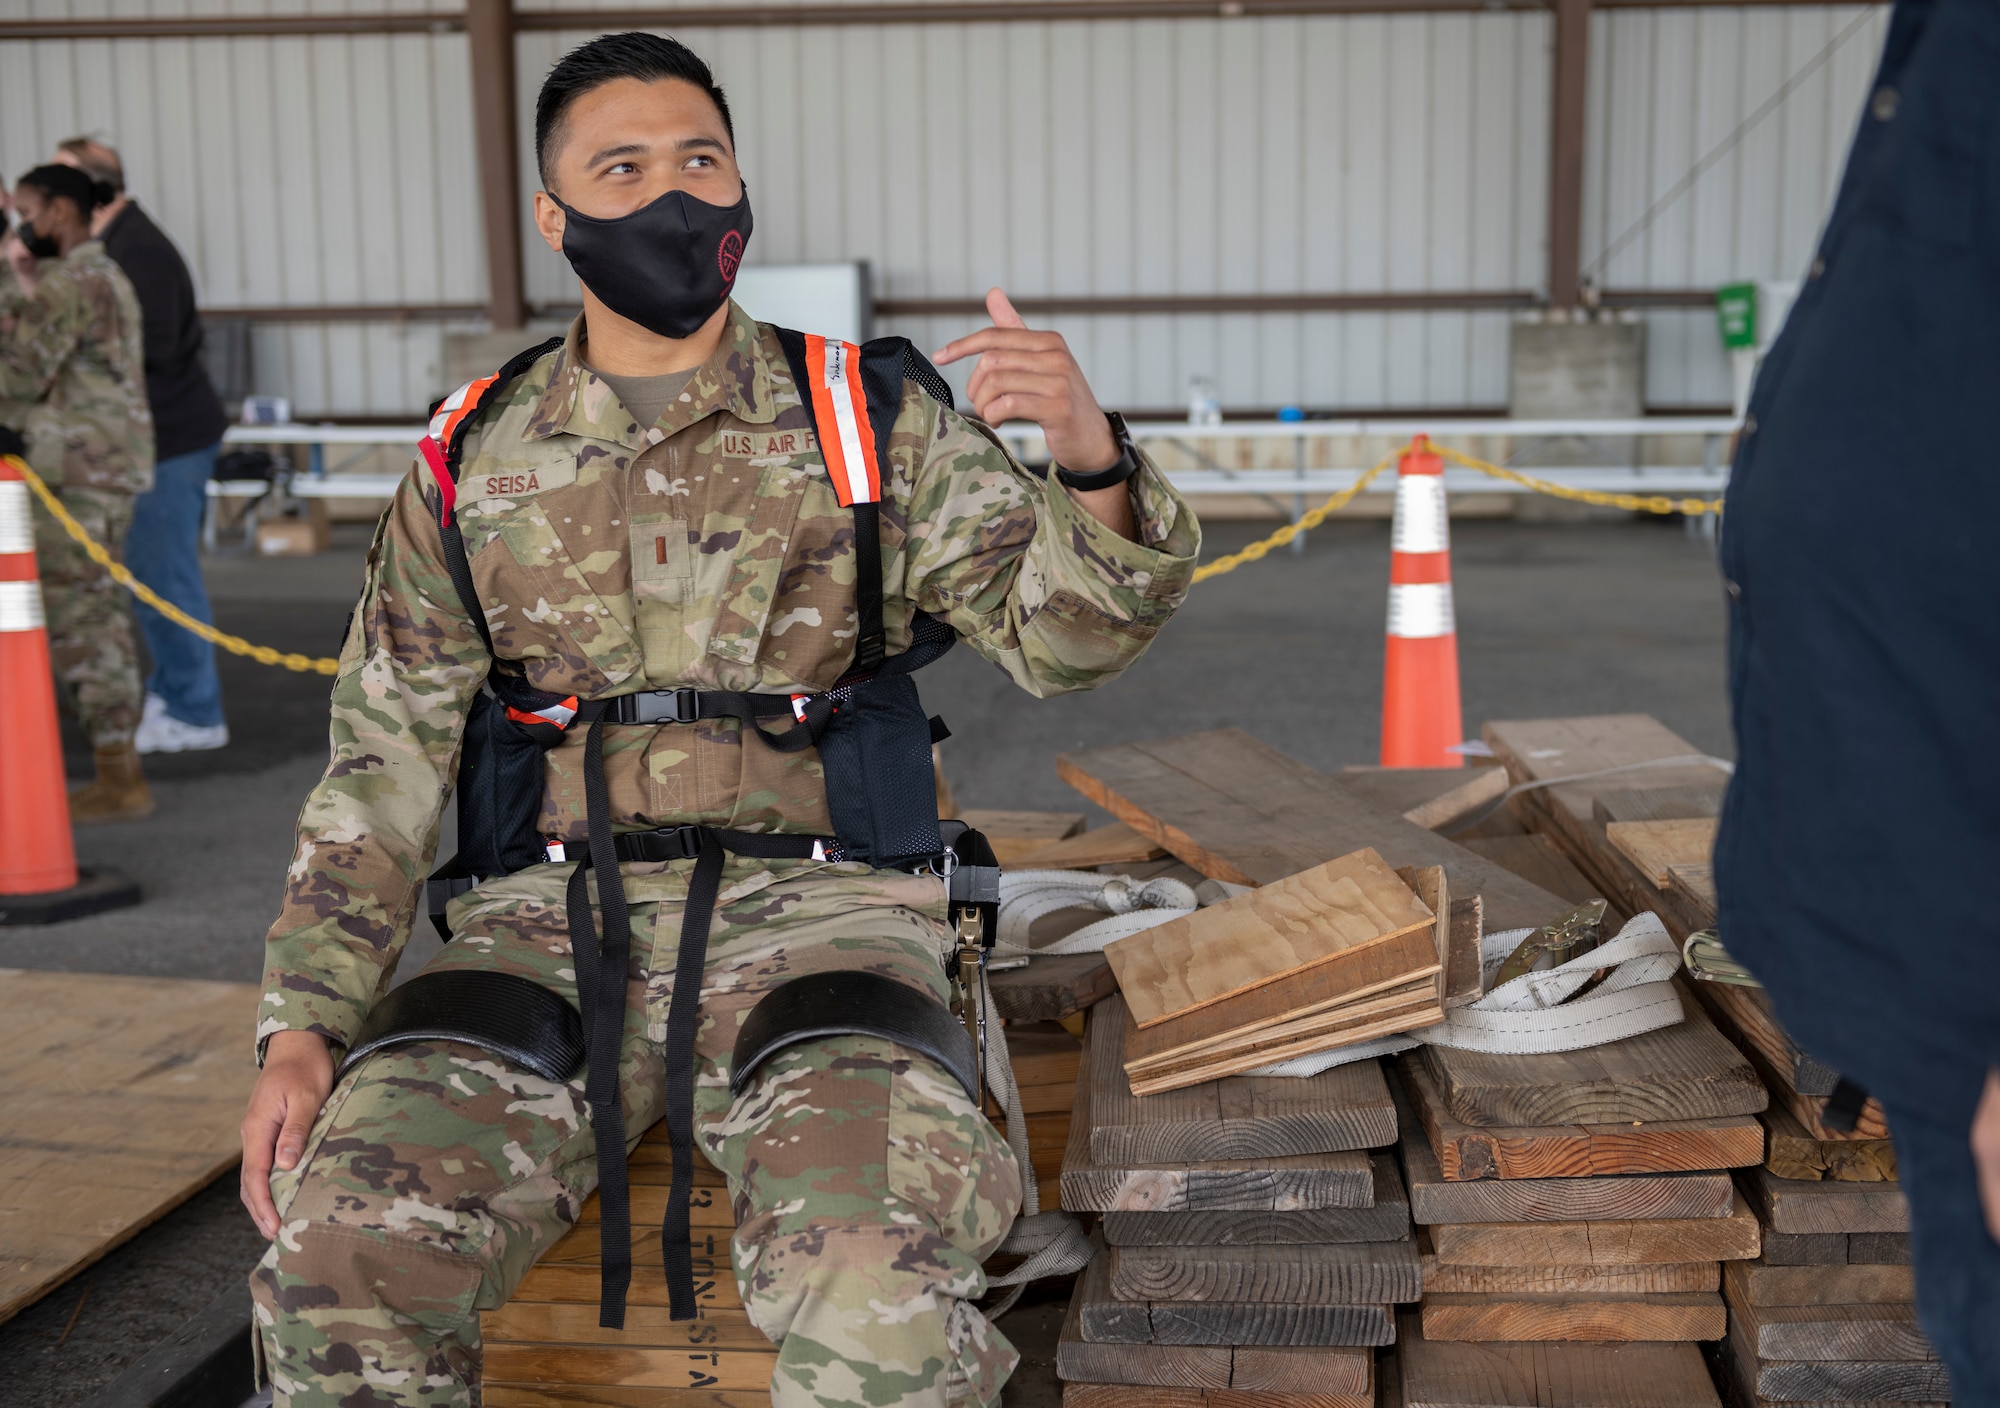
(778, 15)
(489, 32)
(1566, 137)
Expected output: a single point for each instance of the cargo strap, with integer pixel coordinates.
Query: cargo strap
(602, 972)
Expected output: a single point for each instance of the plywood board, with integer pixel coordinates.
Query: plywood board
(1276, 1369)
(1242, 1117)
(1609, 1198)
(1684, 1072)
(1328, 914)
(1349, 1024)
(1105, 845)
(1795, 1205)
(1237, 809)
(1443, 1374)
(1732, 1238)
(122, 1098)
(1656, 847)
(1759, 1283)
(1336, 995)
(1335, 1179)
(1508, 1317)
(1571, 1151)
(1387, 1220)
(1347, 1273)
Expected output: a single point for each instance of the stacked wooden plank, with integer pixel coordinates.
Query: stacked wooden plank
(1642, 836)
(1250, 1243)
(1337, 954)
(1825, 1315)
(1598, 1205)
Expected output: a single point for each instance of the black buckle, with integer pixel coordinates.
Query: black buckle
(657, 706)
(666, 843)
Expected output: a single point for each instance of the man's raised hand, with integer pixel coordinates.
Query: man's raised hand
(1025, 374)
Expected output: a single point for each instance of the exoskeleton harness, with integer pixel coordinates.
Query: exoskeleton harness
(874, 743)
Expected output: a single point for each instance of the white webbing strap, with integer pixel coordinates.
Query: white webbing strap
(1053, 1242)
(1540, 1013)
(1134, 906)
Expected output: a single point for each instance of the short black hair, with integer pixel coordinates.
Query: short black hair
(634, 54)
(65, 183)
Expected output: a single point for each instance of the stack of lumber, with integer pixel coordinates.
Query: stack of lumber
(1251, 1244)
(1334, 955)
(1825, 1315)
(1643, 836)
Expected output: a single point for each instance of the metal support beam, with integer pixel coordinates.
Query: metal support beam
(489, 32)
(1566, 133)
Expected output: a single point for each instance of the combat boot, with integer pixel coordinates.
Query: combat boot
(120, 792)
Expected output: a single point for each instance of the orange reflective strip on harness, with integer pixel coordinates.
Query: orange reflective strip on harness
(839, 401)
(561, 715)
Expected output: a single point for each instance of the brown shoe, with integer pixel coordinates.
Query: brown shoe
(120, 792)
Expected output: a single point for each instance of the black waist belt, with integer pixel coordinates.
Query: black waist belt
(685, 706)
(602, 970)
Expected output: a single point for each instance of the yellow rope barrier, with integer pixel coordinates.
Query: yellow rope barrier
(235, 645)
(1307, 521)
(265, 655)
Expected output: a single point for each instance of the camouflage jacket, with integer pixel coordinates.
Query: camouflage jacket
(707, 550)
(73, 374)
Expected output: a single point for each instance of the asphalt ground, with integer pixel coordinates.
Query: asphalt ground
(1553, 619)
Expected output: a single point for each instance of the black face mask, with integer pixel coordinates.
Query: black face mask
(41, 246)
(667, 266)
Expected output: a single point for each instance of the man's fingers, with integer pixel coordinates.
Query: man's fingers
(998, 339)
(260, 1131)
(292, 1138)
(1040, 386)
(1001, 309)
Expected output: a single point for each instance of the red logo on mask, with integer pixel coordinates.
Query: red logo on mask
(729, 255)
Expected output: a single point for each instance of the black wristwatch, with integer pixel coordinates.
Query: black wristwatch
(1126, 466)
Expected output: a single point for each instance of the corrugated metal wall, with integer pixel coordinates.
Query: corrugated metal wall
(1327, 154)
(1672, 87)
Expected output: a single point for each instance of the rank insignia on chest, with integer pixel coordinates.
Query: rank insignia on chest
(766, 444)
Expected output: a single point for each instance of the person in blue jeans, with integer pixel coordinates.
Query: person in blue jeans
(1860, 834)
(183, 694)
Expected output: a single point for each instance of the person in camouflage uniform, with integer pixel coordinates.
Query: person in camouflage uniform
(696, 542)
(73, 386)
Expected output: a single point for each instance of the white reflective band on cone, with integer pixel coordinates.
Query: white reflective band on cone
(1420, 609)
(21, 606)
(1422, 523)
(17, 527)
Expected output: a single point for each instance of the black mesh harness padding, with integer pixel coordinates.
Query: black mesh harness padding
(875, 746)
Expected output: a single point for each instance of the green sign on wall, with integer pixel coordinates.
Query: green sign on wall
(1736, 310)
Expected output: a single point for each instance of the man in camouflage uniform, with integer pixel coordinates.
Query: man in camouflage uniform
(73, 386)
(695, 542)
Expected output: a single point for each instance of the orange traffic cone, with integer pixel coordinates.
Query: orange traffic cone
(1421, 721)
(39, 879)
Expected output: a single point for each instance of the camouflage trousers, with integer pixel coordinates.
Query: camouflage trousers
(90, 617)
(867, 1188)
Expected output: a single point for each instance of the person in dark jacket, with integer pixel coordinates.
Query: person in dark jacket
(183, 692)
(1862, 831)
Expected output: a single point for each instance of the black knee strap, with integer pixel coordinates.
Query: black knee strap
(852, 1004)
(516, 1019)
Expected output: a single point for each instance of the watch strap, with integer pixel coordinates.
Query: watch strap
(1123, 469)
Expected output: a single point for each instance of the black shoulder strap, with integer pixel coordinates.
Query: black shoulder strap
(443, 447)
(885, 363)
